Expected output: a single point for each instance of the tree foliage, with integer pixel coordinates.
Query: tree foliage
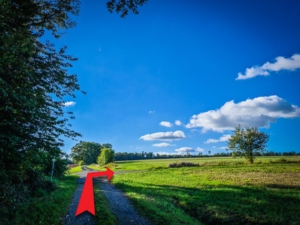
(106, 156)
(124, 6)
(87, 152)
(33, 83)
(247, 142)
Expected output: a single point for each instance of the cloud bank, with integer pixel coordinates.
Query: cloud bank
(165, 124)
(223, 138)
(259, 112)
(167, 136)
(281, 63)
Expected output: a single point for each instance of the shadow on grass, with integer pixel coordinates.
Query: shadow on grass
(224, 204)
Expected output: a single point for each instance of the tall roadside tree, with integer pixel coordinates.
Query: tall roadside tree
(33, 83)
(247, 142)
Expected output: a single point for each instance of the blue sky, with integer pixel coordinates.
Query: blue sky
(209, 65)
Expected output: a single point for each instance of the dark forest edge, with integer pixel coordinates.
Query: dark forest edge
(34, 84)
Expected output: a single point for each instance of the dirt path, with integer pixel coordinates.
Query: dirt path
(118, 204)
(85, 218)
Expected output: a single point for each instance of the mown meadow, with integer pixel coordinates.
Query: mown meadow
(219, 191)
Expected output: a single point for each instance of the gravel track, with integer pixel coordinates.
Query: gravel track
(120, 206)
(83, 219)
(117, 201)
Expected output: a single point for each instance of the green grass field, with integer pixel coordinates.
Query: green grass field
(49, 208)
(220, 191)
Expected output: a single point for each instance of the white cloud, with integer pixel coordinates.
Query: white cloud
(68, 104)
(178, 122)
(163, 144)
(151, 112)
(200, 149)
(223, 138)
(183, 150)
(281, 63)
(223, 148)
(259, 112)
(167, 136)
(165, 124)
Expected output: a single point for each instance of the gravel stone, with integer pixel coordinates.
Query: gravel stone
(120, 205)
(84, 218)
(117, 201)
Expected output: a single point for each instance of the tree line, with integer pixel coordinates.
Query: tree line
(89, 152)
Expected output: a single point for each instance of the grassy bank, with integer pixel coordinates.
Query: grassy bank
(49, 208)
(103, 215)
(75, 169)
(218, 192)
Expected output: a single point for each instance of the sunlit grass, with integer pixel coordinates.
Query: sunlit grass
(94, 167)
(218, 192)
(75, 169)
(203, 161)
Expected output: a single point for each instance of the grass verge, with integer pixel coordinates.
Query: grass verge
(103, 214)
(95, 167)
(75, 169)
(50, 208)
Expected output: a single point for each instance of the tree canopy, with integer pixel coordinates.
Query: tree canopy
(124, 6)
(86, 152)
(247, 142)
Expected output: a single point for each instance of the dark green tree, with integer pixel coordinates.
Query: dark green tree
(33, 83)
(86, 152)
(247, 142)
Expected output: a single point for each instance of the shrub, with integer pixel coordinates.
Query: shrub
(182, 164)
(223, 163)
(106, 156)
(282, 160)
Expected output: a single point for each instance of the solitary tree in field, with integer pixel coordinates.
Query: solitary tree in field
(247, 142)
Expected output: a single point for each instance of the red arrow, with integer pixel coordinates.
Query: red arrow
(86, 202)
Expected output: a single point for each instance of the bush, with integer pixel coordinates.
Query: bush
(223, 163)
(80, 163)
(282, 160)
(106, 156)
(182, 164)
